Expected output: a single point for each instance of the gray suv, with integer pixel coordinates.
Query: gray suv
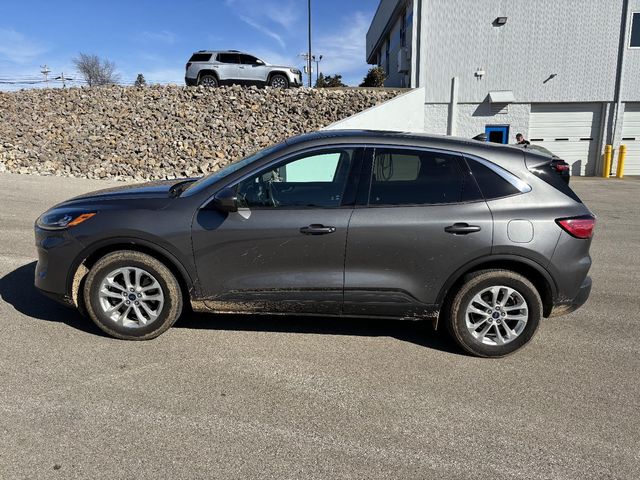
(482, 239)
(231, 67)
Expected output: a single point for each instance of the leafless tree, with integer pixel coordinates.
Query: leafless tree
(96, 71)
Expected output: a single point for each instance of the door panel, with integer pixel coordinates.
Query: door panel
(259, 260)
(251, 71)
(228, 69)
(424, 218)
(398, 258)
(283, 251)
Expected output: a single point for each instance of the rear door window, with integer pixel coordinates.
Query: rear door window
(228, 58)
(419, 177)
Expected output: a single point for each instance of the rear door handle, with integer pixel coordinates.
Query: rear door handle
(462, 229)
(317, 229)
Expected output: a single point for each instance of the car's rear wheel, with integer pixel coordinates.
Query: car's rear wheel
(132, 296)
(494, 313)
(279, 81)
(208, 81)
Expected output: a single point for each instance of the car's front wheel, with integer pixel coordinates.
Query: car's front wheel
(132, 296)
(279, 81)
(494, 313)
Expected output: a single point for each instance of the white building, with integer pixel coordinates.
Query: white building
(565, 73)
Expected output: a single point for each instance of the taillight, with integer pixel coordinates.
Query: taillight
(578, 227)
(188, 65)
(561, 167)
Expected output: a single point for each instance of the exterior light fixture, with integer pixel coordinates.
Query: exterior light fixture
(500, 21)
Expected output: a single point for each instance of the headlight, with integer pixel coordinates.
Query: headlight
(295, 71)
(61, 219)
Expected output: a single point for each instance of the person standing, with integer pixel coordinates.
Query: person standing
(521, 140)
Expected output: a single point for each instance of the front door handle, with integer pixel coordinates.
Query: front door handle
(462, 229)
(317, 229)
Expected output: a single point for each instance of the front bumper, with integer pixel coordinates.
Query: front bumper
(57, 252)
(568, 306)
(295, 80)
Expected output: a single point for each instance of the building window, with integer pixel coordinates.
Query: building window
(634, 41)
(386, 58)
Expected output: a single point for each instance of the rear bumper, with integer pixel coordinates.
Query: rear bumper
(562, 308)
(190, 82)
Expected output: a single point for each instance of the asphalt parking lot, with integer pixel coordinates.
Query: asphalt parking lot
(253, 397)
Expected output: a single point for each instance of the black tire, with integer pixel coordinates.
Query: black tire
(208, 81)
(169, 312)
(455, 313)
(279, 81)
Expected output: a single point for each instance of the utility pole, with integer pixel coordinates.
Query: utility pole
(64, 80)
(45, 71)
(317, 60)
(309, 52)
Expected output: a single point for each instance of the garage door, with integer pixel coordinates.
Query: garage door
(631, 138)
(569, 130)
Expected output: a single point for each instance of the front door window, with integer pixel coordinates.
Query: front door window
(315, 180)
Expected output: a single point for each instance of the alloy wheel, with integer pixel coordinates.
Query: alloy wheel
(131, 297)
(278, 82)
(209, 81)
(497, 315)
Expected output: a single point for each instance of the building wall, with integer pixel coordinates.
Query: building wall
(383, 15)
(473, 118)
(540, 38)
(436, 116)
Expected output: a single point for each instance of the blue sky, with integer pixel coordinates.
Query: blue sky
(157, 37)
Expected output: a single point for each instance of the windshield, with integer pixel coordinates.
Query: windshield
(214, 177)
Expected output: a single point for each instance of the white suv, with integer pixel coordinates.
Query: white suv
(214, 68)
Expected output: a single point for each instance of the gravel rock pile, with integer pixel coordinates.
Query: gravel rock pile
(161, 131)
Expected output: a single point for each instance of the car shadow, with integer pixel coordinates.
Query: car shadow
(17, 289)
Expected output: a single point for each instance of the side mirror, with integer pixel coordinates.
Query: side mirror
(226, 200)
(259, 63)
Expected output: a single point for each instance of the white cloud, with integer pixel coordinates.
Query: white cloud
(344, 50)
(263, 29)
(164, 36)
(17, 48)
(277, 58)
(275, 19)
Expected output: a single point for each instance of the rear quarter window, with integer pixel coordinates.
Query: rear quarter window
(491, 184)
(200, 57)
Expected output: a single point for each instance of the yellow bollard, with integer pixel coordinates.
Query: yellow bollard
(606, 168)
(621, 156)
